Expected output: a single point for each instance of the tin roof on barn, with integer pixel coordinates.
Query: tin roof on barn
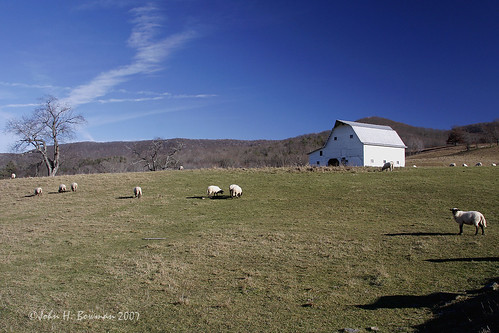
(376, 135)
(369, 134)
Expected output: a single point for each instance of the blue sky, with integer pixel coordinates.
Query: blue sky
(249, 69)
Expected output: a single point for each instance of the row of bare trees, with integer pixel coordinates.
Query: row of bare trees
(54, 122)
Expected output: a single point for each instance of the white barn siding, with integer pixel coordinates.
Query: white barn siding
(376, 156)
(345, 146)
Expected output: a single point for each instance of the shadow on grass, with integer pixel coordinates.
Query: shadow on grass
(423, 234)
(215, 197)
(471, 311)
(410, 301)
(464, 259)
(126, 197)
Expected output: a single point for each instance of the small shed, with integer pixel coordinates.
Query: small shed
(358, 144)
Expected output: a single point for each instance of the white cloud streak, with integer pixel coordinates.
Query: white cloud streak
(149, 55)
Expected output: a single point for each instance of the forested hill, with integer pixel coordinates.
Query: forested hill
(94, 157)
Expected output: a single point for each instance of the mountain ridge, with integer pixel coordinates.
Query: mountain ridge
(123, 156)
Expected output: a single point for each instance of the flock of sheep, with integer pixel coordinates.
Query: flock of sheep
(62, 188)
(466, 165)
(235, 190)
(461, 217)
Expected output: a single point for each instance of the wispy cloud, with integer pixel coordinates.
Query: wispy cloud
(150, 53)
(153, 96)
(20, 105)
(26, 85)
(104, 119)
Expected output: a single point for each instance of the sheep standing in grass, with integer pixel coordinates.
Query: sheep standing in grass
(137, 192)
(472, 218)
(38, 191)
(387, 166)
(452, 164)
(13, 176)
(214, 190)
(74, 187)
(478, 164)
(465, 165)
(62, 188)
(493, 164)
(235, 191)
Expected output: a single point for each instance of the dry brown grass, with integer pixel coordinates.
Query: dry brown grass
(300, 251)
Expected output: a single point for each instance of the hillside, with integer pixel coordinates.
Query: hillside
(94, 157)
(486, 154)
(328, 251)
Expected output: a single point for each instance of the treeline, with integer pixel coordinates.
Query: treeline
(158, 154)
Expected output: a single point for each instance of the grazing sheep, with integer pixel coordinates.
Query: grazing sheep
(452, 165)
(74, 187)
(478, 164)
(493, 164)
(137, 192)
(387, 166)
(181, 167)
(472, 218)
(235, 191)
(62, 188)
(414, 166)
(214, 190)
(38, 191)
(465, 165)
(13, 176)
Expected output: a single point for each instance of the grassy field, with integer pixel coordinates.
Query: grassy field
(299, 252)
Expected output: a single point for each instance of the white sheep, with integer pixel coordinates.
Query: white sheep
(452, 165)
(478, 164)
(137, 191)
(38, 191)
(465, 165)
(472, 218)
(235, 191)
(493, 164)
(74, 187)
(387, 166)
(181, 167)
(13, 176)
(214, 190)
(62, 188)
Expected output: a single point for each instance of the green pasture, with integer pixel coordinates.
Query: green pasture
(300, 251)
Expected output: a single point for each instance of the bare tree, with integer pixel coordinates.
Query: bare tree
(157, 155)
(51, 123)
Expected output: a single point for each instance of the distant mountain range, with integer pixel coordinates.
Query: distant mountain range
(93, 157)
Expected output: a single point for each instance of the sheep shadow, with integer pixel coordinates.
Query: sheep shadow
(422, 234)
(215, 197)
(220, 197)
(125, 197)
(478, 259)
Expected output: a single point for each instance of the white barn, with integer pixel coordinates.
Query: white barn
(358, 144)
